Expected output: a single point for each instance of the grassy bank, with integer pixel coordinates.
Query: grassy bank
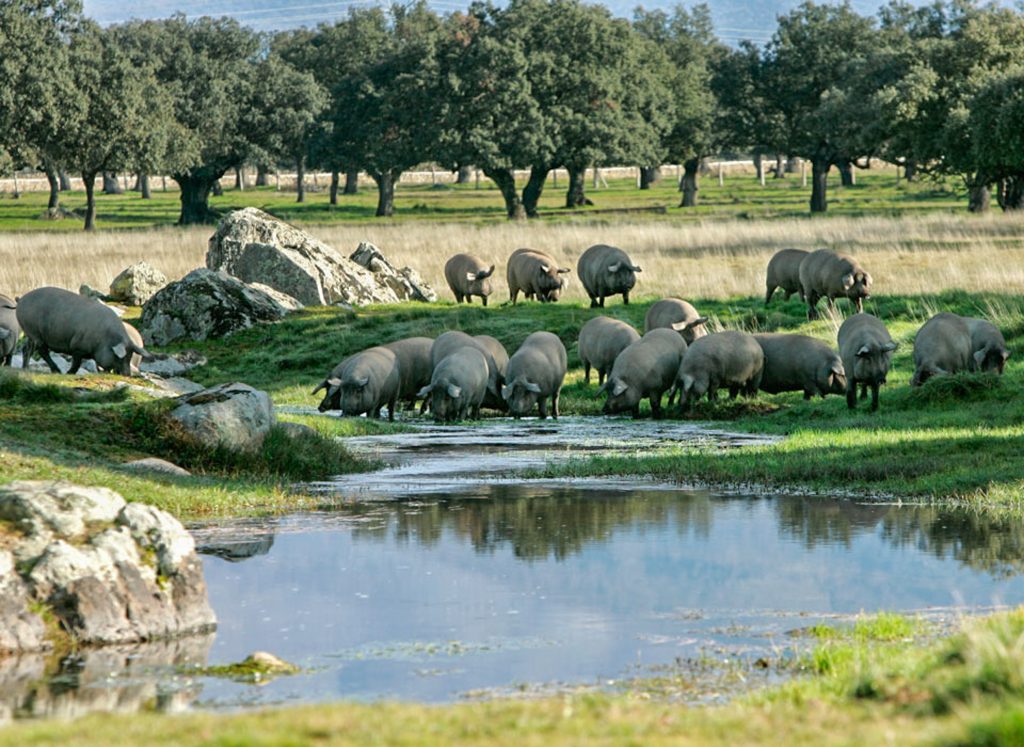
(85, 429)
(873, 683)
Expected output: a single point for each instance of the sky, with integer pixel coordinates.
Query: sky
(735, 20)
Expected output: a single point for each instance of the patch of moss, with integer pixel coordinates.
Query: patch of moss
(256, 668)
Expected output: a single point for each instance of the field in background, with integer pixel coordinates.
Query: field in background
(714, 259)
(877, 192)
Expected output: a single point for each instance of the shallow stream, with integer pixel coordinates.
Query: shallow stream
(442, 578)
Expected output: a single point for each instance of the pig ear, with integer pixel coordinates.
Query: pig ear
(1006, 354)
(563, 270)
(889, 347)
(4, 333)
(848, 280)
(838, 370)
(120, 350)
(506, 392)
(864, 351)
(531, 387)
(680, 326)
(360, 383)
(867, 279)
(688, 382)
(613, 268)
(699, 321)
(425, 391)
(979, 357)
(635, 268)
(321, 385)
(545, 268)
(485, 273)
(471, 276)
(454, 391)
(619, 388)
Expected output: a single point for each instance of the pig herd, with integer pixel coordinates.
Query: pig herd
(457, 374)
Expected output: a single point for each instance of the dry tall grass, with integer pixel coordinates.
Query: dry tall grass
(718, 259)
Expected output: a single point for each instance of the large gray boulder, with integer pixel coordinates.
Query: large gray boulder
(258, 248)
(137, 284)
(406, 283)
(232, 415)
(111, 571)
(205, 304)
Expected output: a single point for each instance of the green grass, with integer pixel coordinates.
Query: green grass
(49, 430)
(964, 690)
(741, 196)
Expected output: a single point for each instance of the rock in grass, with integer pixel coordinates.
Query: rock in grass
(259, 248)
(137, 284)
(406, 284)
(153, 464)
(205, 304)
(235, 416)
(111, 572)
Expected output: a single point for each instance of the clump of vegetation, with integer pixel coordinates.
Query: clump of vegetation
(19, 389)
(257, 668)
(956, 388)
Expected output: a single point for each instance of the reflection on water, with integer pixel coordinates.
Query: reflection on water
(435, 579)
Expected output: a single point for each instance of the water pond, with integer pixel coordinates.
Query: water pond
(442, 578)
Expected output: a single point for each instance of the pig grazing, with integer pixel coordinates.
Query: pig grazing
(606, 271)
(825, 274)
(866, 349)
(645, 369)
(535, 373)
(601, 340)
(414, 366)
(942, 346)
(458, 385)
(784, 272)
(10, 330)
(794, 363)
(988, 348)
(449, 342)
(724, 359)
(57, 320)
(536, 274)
(363, 383)
(468, 276)
(677, 314)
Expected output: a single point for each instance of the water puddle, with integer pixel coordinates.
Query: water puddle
(442, 579)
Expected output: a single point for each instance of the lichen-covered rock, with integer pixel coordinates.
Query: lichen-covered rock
(259, 248)
(111, 572)
(232, 415)
(205, 304)
(137, 284)
(406, 283)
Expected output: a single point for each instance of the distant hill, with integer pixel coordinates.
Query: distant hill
(734, 19)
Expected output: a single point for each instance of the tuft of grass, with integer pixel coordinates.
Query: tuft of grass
(957, 388)
(21, 389)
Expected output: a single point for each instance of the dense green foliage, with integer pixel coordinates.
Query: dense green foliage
(525, 86)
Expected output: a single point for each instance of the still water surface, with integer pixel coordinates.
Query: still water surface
(440, 579)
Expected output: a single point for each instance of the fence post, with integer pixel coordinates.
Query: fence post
(721, 173)
(803, 172)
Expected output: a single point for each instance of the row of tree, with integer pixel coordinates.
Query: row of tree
(535, 85)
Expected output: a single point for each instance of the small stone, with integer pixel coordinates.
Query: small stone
(153, 464)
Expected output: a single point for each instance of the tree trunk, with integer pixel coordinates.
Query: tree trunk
(649, 175)
(506, 183)
(90, 200)
(1011, 193)
(136, 186)
(533, 189)
(463, 174)
(780, 167)
(758, 166)
(910, 170)
(335, 181)
(979, 199)
(262, 175)
(300, 180)
(351, 181)
(110, 184)
(385, 192)
(846, 172)
(144, 186)
(65, 180)
(195, 199)
(690, 183)
(53, 206)
(819, 184)
(216, 189)
(239, 179)
(575, 196)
